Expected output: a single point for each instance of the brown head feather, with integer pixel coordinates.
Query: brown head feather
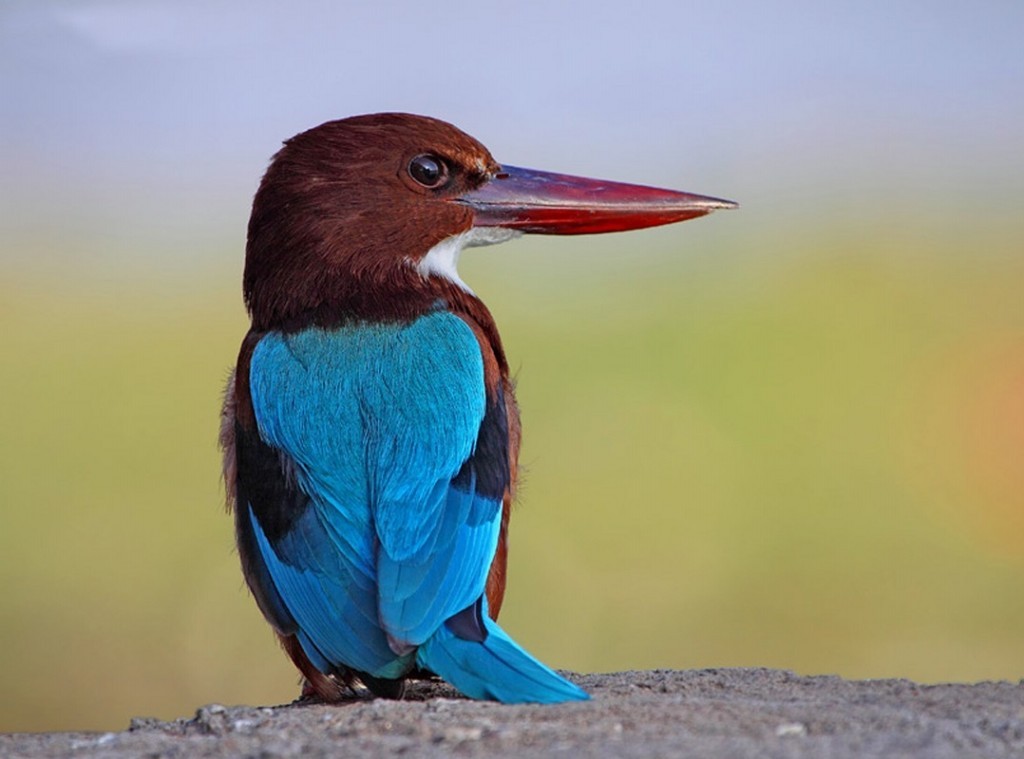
(338, 223)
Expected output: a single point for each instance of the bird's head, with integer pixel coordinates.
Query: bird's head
(366, 216)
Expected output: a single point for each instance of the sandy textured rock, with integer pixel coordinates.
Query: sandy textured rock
(701, 713)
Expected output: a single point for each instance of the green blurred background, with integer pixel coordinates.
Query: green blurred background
(787, 436)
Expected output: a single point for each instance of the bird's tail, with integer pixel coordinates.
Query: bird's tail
(493, 666)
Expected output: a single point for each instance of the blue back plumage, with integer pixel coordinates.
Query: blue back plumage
(376, 424)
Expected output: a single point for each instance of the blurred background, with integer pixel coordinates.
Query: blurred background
(785, 436)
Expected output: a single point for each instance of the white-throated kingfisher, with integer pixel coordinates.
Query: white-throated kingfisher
(370, 430)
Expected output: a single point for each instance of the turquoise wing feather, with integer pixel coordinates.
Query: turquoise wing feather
(376, 422)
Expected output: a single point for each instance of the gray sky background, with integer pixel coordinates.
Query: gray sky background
(133, 128)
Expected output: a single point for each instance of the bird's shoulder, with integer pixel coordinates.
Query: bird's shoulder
(422, 381)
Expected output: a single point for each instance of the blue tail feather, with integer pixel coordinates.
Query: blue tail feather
(497, 668)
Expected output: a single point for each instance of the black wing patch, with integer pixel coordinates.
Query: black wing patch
(267, 492)
(488, 463)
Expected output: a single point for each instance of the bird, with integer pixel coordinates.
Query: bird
(369, 430)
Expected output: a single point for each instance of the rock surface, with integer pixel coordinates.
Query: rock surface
(700, 713)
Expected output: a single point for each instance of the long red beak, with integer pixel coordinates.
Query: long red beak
(559, 204)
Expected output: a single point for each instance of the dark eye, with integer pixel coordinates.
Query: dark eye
(430, 171)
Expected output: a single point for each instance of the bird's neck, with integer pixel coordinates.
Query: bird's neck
(394, 300)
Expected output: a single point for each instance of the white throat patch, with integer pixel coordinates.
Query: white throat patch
(443, 259)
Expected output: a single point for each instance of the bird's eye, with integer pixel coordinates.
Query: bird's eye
(430, 171)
